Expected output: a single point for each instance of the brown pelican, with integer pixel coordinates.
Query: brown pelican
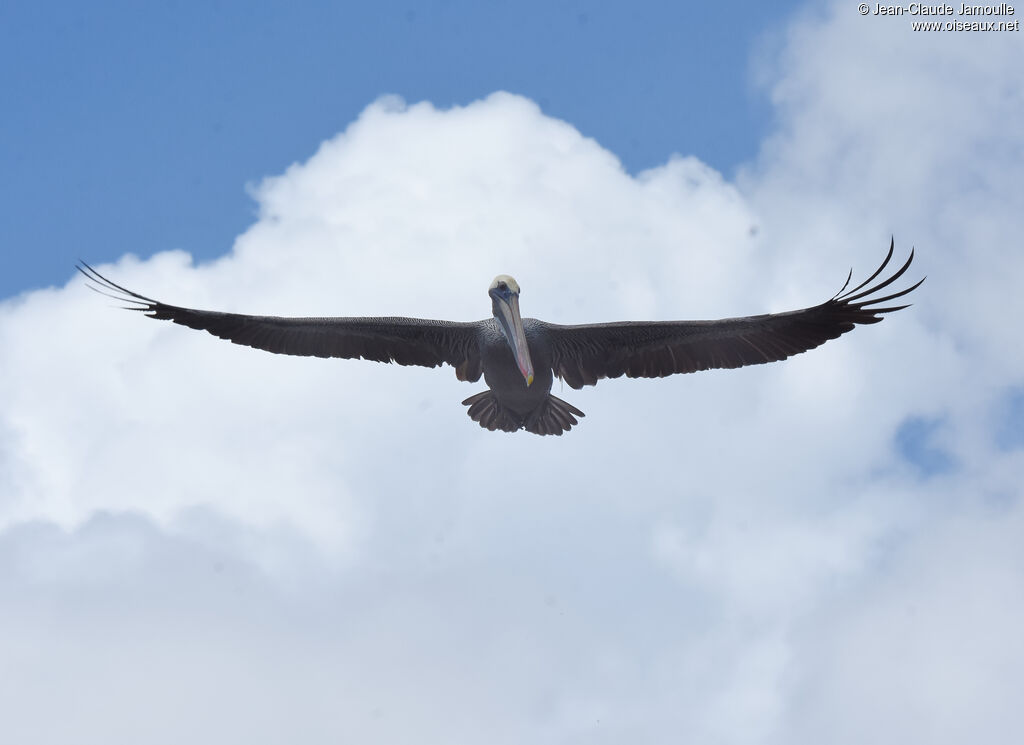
(520, 357)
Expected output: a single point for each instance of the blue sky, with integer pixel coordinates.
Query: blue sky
(135, 127)
(203, 542)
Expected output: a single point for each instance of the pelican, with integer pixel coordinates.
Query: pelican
(519, 358)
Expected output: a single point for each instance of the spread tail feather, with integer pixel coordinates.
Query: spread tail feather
(484, 408)
(553, 417)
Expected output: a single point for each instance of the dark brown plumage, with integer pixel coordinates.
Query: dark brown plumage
(520, 357)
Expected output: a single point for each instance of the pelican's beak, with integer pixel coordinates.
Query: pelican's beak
(512, 323)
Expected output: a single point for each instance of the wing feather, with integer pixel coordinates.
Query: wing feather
(582, 355)
(406, 341)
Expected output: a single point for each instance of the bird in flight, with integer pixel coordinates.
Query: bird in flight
(519, 358)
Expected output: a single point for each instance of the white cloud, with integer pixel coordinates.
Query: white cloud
(205, 541)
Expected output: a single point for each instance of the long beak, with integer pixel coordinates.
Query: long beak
(510, 320)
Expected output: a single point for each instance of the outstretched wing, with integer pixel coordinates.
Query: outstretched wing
(407, 341)
(582, 355)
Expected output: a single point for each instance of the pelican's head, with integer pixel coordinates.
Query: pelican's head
(504, 292)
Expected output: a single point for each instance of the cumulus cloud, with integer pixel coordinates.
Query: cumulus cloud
(206, 541)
